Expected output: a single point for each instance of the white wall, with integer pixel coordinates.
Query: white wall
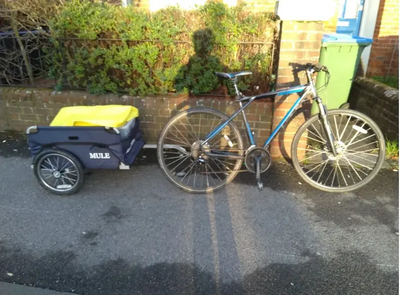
(367, 27)
(306, 10)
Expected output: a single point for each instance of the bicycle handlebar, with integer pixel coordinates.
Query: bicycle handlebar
(317, 68)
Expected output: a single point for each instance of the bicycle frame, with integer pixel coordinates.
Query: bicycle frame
(296, 89)
(308, 88)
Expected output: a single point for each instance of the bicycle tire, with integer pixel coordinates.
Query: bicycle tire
(163, 135)
(349, 158)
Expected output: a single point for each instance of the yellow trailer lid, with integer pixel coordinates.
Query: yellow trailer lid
(108, 116)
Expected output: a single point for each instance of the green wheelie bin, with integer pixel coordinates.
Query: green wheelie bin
(341, 54)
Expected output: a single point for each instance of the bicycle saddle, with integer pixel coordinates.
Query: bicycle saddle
(233, 75)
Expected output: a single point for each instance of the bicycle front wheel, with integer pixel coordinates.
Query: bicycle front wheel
(360, 147)
(187, 162)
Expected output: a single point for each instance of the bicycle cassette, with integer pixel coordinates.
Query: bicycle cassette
(250, 161)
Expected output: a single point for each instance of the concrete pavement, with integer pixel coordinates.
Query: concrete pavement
(14, 289)
(132, 232)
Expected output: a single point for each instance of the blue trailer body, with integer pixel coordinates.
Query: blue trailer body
(95, 147)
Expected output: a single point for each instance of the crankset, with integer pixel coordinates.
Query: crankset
(258, 160)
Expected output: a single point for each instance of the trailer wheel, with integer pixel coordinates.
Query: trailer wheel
(58, 172)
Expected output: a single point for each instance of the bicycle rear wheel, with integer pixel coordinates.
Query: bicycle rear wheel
(185, 161)
(360, 149)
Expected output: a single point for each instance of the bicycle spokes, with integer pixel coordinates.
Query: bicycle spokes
(193, 164)
(358, 148)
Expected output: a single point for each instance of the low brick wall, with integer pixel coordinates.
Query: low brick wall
(378, 101)
(24, 107)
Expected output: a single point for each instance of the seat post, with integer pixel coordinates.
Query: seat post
(234, 81)
(250, 134)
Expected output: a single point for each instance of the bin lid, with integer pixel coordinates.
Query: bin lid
(343, 38)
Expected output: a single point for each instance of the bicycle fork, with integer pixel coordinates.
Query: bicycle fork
(326, 126)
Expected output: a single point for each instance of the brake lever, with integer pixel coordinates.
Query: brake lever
(325, 69)
(318, 68)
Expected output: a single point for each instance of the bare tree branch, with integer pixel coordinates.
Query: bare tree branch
(24, 25)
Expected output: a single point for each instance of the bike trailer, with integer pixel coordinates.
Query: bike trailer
(84, 137)
(106, 138)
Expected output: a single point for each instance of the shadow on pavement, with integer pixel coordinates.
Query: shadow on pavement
(348, 273)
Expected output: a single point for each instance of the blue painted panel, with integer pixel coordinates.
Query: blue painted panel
(350, 18)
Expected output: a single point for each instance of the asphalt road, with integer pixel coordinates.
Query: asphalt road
(132, 232)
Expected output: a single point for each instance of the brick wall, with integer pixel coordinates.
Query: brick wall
(384, 58)
(300, 43)
(378, 101)
(21, 108)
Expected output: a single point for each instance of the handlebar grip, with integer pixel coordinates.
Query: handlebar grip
(318, 67)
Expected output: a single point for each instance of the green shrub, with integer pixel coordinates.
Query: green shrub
(392, 149)
(104, 48)
(391, 81)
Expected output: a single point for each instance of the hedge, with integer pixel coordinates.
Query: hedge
(105, 48)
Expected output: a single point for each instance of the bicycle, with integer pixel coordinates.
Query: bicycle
(334, 150)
